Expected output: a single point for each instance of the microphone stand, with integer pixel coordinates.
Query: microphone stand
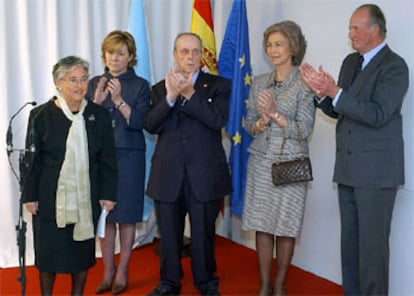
(21, 225)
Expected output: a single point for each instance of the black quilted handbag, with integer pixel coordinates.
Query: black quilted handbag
(291, 171)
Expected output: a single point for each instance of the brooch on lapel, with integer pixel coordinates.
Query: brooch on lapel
(91, 117)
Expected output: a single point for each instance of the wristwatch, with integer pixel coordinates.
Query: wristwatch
(123, 104)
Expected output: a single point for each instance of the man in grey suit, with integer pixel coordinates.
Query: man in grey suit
(369, 163)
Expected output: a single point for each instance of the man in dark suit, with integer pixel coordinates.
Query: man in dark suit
(369, 163)
(189, 172)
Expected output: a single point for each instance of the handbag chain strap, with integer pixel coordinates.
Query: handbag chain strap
(299, 138)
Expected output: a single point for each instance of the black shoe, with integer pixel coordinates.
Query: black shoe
(158, 291)
(211, 292)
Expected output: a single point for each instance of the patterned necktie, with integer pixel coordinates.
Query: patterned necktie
(358, 68)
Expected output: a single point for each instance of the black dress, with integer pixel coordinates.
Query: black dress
(55, 249)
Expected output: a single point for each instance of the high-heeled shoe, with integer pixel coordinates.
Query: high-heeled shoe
(104, 286)
(118, 288)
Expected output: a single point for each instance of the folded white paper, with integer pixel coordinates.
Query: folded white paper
(100, 231)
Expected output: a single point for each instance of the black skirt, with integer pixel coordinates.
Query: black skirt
(57, 252)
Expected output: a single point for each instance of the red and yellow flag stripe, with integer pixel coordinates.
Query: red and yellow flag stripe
(202, 24)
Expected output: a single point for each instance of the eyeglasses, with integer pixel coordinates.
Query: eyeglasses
(74, 81)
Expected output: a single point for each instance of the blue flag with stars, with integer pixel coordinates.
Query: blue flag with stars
(234, 64)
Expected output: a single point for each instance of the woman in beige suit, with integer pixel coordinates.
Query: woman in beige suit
(279, 104)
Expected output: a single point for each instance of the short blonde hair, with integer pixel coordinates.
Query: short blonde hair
(115, 40)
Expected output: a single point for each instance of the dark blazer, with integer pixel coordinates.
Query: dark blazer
(47, 130)
(135, 92)
(369, 136)
(189, 141)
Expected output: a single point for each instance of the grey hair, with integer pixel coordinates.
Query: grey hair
(188, 34)
(66, 65)
(376, 17)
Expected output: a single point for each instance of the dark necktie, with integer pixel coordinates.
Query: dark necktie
(358, 68)
(181, 100)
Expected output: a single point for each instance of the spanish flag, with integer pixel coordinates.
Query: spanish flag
(202, 25)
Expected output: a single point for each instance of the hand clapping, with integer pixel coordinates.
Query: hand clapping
(101, 93)
(320, 82)
(177, 84)
(105, 87)
(266, 106)
(265, 103)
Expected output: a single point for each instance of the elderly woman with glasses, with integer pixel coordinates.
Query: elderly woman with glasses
(71, 175)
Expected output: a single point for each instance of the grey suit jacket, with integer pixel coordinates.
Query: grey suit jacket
(369, 136)
(294, 100)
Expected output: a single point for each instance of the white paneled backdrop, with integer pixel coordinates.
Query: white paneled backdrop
(36, 33)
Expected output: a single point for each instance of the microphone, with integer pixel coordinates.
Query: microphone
(9, 136)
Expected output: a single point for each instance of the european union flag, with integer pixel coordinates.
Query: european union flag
(234, 64)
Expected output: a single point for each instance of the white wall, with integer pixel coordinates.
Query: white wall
(325, 25)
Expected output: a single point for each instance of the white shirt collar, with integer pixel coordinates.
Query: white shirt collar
(370, 54)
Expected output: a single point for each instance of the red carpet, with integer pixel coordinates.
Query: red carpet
(237, 270)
